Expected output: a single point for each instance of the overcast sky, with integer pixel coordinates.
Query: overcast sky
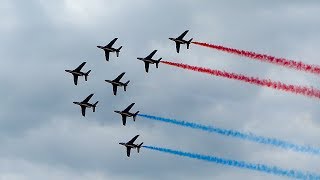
(44, 136)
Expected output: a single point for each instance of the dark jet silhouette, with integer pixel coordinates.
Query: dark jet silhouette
(85, 104)
(130, 145)
(108, 48)
(179, 40)
(125, 113)
(148, 60)
(116, 82)
(77, 72)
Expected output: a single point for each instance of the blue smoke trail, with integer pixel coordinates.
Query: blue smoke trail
(241, 164)
(245, 136)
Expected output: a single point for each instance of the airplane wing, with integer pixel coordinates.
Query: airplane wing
(151, 54)
(128, 151)
(114, 89)
(133, 139)
(183, 34)
(83, 110)
(178, 47)
(129, 107)
(75, 79)
(124, 119)
(119, 77)
(80, 67)
(146, 66)
(112, 42)
(88, 98)
(106, 54)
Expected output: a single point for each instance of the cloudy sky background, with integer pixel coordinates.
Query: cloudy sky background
(44, 136)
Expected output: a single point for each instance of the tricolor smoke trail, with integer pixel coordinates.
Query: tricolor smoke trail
(238, 134)
(266, 58)
(306, 91)
(241, 164)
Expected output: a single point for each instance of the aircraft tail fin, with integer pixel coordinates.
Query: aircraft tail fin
(139, 146)
(188, 43)
(94, 106)
(125, 85)
(118, 50)
(135, 115)
(86, 75)
(157, 63)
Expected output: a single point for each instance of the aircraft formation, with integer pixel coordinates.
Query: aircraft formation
(84, 104)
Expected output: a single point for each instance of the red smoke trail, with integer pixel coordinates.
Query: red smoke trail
(307, 91)
(266, 58)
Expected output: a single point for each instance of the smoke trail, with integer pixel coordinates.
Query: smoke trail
(238, 134)
(241, 164)
(266, 58)
(306, 91)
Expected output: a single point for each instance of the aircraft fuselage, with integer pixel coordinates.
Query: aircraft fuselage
(181, 41)
(151, 61)
(116, 83)
(129, 145)
(128, 114)
(75, 72)
(109, 49)
(88, 105)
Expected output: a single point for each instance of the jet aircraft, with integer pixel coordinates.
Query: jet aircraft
(77, 72)
(85, 104)
(125, 113)
(116, 82)
(148, 60)
(179, 40)
(130, 145)
(108, 48)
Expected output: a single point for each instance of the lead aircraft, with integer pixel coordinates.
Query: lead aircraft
(77, 72)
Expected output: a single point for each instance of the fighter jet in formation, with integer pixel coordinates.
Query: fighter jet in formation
(108, 48)
(125, 113)
(130, 145)
(85, 104)
(116, 82)
(179, 40)
(77, 72)
(148, 60)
